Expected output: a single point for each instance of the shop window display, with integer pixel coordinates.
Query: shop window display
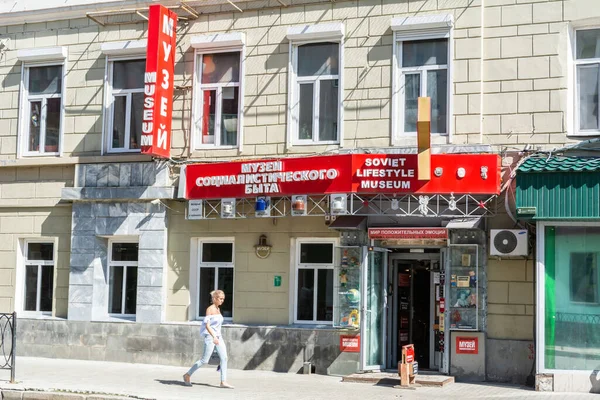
(347, 287)
(572, 297)
(464, 288)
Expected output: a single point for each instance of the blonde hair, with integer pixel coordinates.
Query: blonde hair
(216, 293)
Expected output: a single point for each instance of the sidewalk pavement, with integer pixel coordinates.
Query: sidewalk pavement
(143, 381)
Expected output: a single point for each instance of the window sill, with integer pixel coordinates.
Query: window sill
(414, 134)
(118, 318)
(212, 147)
(124, 151)
(328, 142)
(36, 315)
(31, 155)
(584, 134)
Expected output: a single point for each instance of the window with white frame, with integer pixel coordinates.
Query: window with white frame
(218, 99)
(39, 277)
(587, 66)
(316, 92)
(314, 281)
(125, 100)
(216, 261)
(42, 111)
(423, 72)
(122, 278)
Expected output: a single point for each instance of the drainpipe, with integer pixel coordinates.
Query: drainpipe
(481, 72)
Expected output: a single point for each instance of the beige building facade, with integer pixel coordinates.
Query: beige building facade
(92, 231)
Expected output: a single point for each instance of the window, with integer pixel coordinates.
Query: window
(216, 260)
(587, 65)
(125, 98)
(314, 282)
(423, 72)
(316, 91)
(218, 102)
(39, 277)
(42, 111)
(584, 278)
(122, 275)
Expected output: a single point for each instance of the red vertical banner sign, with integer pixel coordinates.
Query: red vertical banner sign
(158, 82)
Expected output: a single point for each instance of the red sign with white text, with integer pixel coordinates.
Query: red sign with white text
(346, 173)
(408, 233)
(467, 345)
(158, 82)
(350, 344)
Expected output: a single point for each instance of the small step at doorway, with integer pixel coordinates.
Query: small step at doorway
(424, 378)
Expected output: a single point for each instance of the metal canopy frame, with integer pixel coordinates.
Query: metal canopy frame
(410, 205)
(103, 17)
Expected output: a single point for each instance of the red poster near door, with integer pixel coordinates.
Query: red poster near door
(467, 345)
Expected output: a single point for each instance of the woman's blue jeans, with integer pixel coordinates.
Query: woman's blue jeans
(209, 347)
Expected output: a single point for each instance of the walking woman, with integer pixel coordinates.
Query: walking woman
(211, 333)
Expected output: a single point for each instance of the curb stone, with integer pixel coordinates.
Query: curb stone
(41, 395)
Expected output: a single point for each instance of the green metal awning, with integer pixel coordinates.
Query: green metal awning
(559, 187)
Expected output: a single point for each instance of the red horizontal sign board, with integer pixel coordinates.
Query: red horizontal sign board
(408, 233)
(467, 345)
(346, 173)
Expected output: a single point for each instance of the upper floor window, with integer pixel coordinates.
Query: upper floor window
(218, 90)
(423, 66)
(587, 64)
(316, 89)
(218, 102)
(422, 58)
(125, 98)
(42, 103)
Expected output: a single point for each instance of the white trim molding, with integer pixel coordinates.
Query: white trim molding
(218, 40)
(125, 48)
(59, 53)
(320, 32)
(435, 21)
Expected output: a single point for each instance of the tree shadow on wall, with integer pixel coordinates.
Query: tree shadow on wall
(595, 381)
(286, 345)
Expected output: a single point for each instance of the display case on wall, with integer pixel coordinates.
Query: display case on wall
(463, 296)
(347, 271)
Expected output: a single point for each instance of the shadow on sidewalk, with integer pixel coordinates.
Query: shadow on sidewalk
(180, 383)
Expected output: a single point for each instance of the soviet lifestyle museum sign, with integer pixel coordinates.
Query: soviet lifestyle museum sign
(346, 173)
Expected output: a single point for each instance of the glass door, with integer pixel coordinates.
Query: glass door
(444, 340)
(374, 305)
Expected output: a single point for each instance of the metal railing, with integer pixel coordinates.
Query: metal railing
(8, 343)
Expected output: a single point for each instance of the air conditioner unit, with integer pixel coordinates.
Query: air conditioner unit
(508, 242)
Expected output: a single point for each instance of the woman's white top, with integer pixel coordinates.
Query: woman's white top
(215, 321)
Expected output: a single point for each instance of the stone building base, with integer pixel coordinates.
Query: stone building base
(272, 348)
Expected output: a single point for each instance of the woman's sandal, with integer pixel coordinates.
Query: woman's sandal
(186, 380)
(226, 385)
